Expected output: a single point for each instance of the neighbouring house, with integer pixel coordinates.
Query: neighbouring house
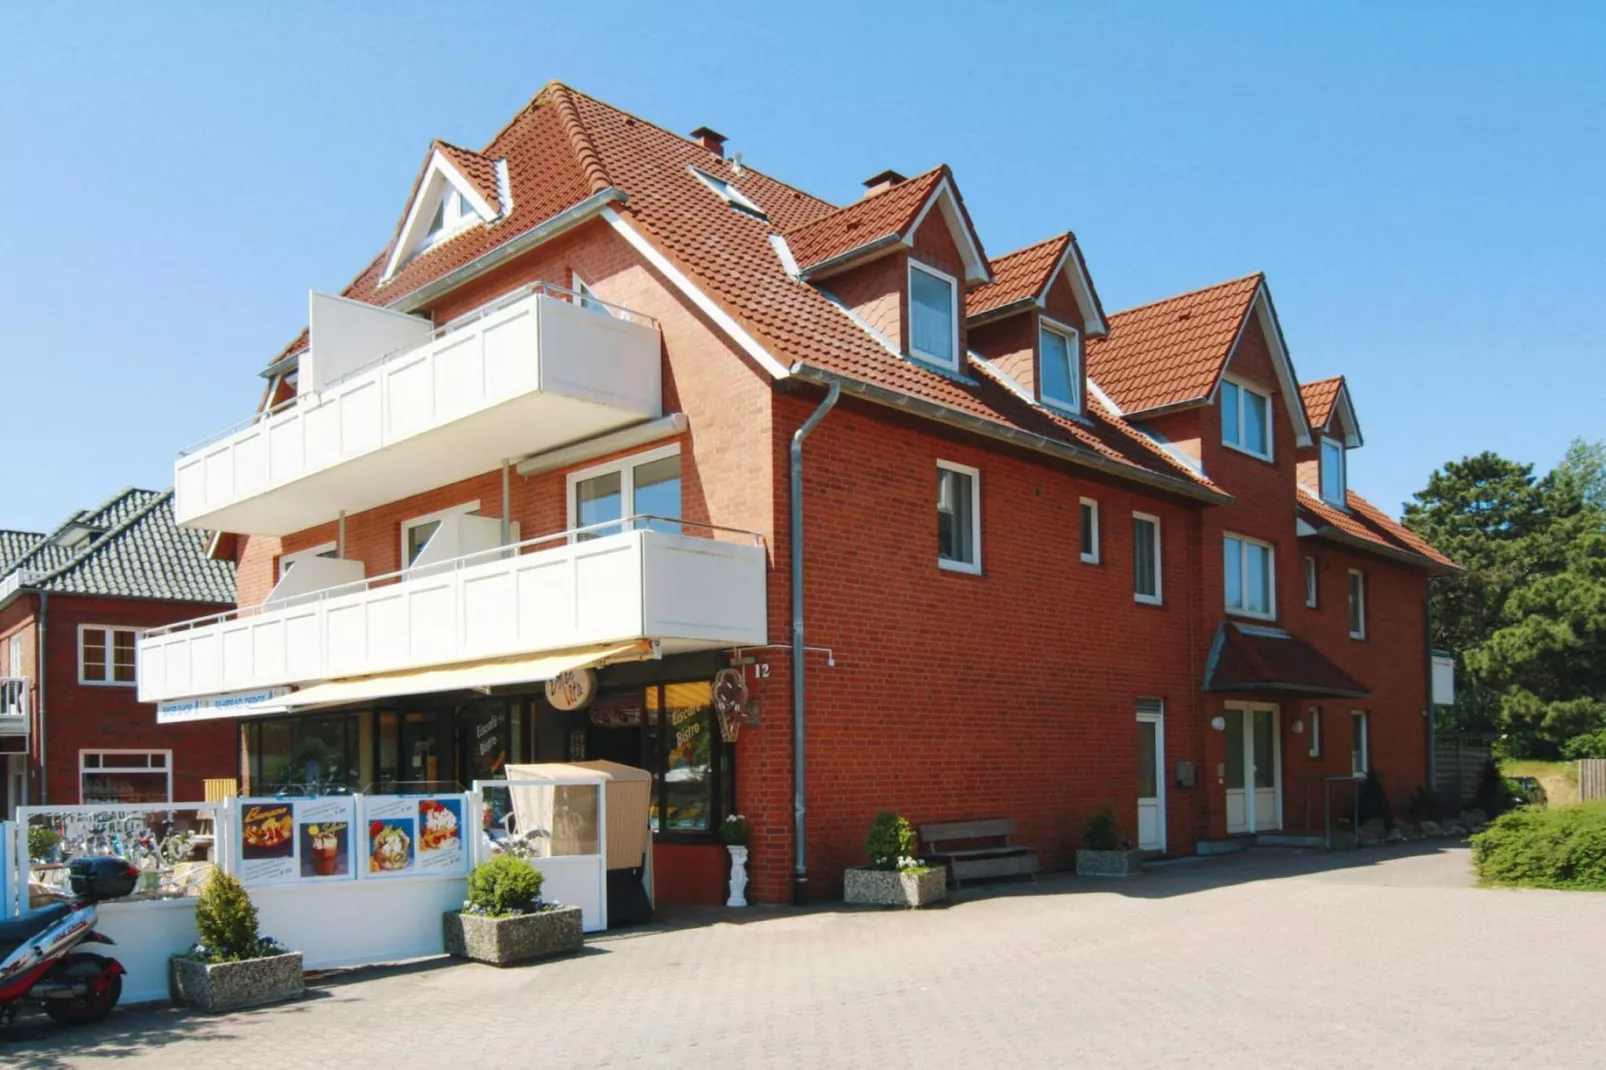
(1052, 558)
(73, 603)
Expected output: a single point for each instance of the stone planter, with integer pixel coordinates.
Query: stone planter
(230, 986)
(1109, 863)
(508, 941)
(892, 888)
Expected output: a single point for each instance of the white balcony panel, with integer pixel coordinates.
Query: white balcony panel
(532, 375)
(689, 593)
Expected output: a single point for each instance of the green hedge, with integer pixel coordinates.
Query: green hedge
(1560, 848)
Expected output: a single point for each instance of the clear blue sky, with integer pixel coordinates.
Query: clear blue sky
(1423, 183)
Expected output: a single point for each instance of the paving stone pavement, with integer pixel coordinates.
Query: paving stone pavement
(1272, 958)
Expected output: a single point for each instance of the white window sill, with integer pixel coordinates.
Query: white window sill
(1090, 559)
(108, 683)
(1064, 408)
(958, 566)
(1250, 614)
(934, 360)
(1248, 452)
(1336, 505)
(1357, 635)
(1148, 599)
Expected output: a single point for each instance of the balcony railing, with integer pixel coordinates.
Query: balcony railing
(13, 706)
(533, 370)
(644, 577)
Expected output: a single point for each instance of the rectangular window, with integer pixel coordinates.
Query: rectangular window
(933, 316)
(106, 655)
(1357, 605)
(14, 664)
(416, 533)
(1333, 484)
(1146, 558)
(288, 561)
(115, 777)
(1090, 531)
(1245, 419)
(646, 486)
(1360, 743)
(1310, 582)
(958, 517)
(1249, 570)
(1314, 727)
(1059, 367)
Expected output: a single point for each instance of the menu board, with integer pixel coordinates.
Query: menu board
(285, 840)
(411, 835)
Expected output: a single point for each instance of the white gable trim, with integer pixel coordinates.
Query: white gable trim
(1345, 410)
(706, 304)
(976, 267)
(1104, 399)
(438, 173)
(1081, 289)
(1262, 313)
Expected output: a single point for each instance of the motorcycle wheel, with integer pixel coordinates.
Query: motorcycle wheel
(84, 969)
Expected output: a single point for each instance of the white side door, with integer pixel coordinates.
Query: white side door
(1266, 760)
(1151, 776)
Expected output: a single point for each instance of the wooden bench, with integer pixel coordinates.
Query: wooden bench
(1003, 858)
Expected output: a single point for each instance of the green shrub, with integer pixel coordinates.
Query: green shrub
(1495, 793)
(1374, 802)
(227, 920)
(503, 886)
(1589, 745)
(1103, 832)
(41, 841)
(735, 831)
(1560, 848)
(891, 843)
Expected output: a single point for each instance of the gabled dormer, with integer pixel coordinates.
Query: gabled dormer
(899, 261)
(1031, 323)
(456, 191)
(1324, 466)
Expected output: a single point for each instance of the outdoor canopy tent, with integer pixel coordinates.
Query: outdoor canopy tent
(628, 793)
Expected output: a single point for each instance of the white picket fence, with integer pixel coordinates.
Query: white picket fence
(348, 910)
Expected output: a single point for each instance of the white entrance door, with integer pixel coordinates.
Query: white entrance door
(1151, 776)
(1254, 769)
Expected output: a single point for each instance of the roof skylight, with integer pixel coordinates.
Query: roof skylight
(731, 195)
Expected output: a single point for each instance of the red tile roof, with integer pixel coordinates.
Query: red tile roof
(1171, 352)
(878, 217)
(1018, 276)
(564, 146)
(479, 170)
(1266, 660)
(1366, 522)
(1319, 398)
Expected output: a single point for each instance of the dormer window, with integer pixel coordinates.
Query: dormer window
(933, 316)
(1059, 366)
(451, 215)
(731, 194)
(1246, 419)
(1333, 479)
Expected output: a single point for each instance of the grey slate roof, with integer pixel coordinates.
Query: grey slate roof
(15, 545)
(134, 549)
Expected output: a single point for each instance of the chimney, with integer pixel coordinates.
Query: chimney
(881, 183)
(710, 139)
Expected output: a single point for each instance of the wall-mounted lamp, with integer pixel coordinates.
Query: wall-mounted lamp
(1297, 727)
(1219, 723)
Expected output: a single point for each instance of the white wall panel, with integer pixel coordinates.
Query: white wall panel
(267, 647)
(458, 375)
(407, 386)
(321, 433)
(360, 418)
(236, 640)
(511, 357)
(250, 462)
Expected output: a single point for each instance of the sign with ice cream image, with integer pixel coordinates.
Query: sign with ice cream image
(390, 835)
(285, 840)
(323, 838)
(267, 841)
(440, 835)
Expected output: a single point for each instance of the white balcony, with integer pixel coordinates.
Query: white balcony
(551, 594)
(13, 706)
(531, 372)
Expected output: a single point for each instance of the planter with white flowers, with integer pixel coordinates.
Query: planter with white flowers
(734, 833)
(894, 877)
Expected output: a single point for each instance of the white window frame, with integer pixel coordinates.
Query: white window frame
(1360, 747)
(84, 767)
(286, 560)
(1356, 601)
(729, 193)
(1091, 503)
(1073, 346)
(453, 222)
(1343, 473)
(1312, 579)
(586, 297)
(469, 508)
(953, 314)
(1158, 597)
(111, 655)
(626, 467)
(1245, 541)
(14, 656)
(1313, 725)
(1271, 436)
(973, 568)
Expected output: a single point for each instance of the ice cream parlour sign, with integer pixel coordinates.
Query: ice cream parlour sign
(283, 841)
(413, 835)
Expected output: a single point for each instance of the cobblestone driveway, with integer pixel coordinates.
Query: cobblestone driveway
(1384, 958)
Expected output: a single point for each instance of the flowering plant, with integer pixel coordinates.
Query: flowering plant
(891, 844)
(735, 831)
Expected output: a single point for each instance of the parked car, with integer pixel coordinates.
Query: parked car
(1529, 792)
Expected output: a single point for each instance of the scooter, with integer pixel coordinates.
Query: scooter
(38, 963)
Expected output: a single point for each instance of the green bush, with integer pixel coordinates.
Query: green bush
(1560, 848)
(503, 886)
(1374, 802)
(41, 841)
(227, 920)
(1103, 832)
(1495, 793)
(1589, 745)
(891, 841)
(735, 831)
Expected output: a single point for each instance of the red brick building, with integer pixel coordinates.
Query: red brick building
(1052, 559)
(72, 605)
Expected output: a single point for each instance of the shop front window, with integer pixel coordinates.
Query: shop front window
(305, 755)
(672, 732)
